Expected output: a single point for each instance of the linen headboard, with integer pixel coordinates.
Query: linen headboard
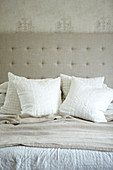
(44, 55)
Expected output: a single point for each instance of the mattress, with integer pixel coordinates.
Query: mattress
(33, 158)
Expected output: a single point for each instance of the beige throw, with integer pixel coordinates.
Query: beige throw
(56, 132)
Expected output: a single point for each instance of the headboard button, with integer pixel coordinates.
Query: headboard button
(72, 63)
(58, 62)
(12, 63)
(103, 63)
(72, 48)
(88, 48)
(43, 62)
(58, 48)
(27, 48)
(87, 63)
(42, 77)
(43, 48)
(13, 48)
(27, 63)
(102, 48)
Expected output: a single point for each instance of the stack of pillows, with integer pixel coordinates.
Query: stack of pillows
(82, 97)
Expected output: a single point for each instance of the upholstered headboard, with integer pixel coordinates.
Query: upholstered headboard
(42, 55)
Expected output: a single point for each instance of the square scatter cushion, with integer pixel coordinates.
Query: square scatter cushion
(3, 87)
(66, 82)
(39, 98)
(12, 102)
(86, 102)
(2, 98)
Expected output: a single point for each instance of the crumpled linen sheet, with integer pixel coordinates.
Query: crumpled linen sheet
(27, 118)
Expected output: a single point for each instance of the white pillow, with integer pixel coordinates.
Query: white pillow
(3, 87)
(39, 98)
(86, 102)
(2, 98)
(96, 82)
(110, 107)
(12, 103)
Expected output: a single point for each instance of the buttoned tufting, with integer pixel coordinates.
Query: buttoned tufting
(72, 63)
(58, 48)
(43, 62)
(87, 63)
(79, 55)
(103, 48)
(43, 48)
(58, 62)
(12, 63)
(88, 48)
(28, 48)
(13, 48)
(73, 48)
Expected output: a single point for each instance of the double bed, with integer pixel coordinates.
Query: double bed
(57, 141)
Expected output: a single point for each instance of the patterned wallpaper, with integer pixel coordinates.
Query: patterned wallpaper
(56, 15)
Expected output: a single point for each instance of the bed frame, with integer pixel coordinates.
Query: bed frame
(42, 55)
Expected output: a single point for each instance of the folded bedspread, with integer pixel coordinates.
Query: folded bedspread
(56, 132)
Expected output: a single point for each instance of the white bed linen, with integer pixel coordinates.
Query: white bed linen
(33, 158)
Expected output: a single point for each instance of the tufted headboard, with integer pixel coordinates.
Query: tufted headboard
(42, 55)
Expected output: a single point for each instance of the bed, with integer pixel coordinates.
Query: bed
(56, 142)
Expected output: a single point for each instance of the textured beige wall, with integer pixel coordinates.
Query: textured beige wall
(56, 15)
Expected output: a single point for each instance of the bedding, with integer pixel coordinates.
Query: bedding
(110, 107)
(66, 82)
(3, 87)
(2, 98)
(58, 132)
(33, 158)
(86, 102)
(39, 98)
(12, 102)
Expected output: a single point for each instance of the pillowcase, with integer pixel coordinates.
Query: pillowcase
(96, 82)
(2, 98)
(109, 112)
(110, 107)
(3, 87)
(39, 98)
(12, 103)
(86, 102)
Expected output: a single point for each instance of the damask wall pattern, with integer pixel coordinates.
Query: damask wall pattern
(56, 16)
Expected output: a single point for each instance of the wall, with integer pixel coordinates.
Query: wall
(56, 15)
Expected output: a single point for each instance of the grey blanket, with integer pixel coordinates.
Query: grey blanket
(56, 132)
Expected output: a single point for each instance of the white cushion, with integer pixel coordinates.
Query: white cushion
(110, 107)
(86, 102)
(2, 98)
(39, 98)
(12, 103)
(3, 87)
(66, 82)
